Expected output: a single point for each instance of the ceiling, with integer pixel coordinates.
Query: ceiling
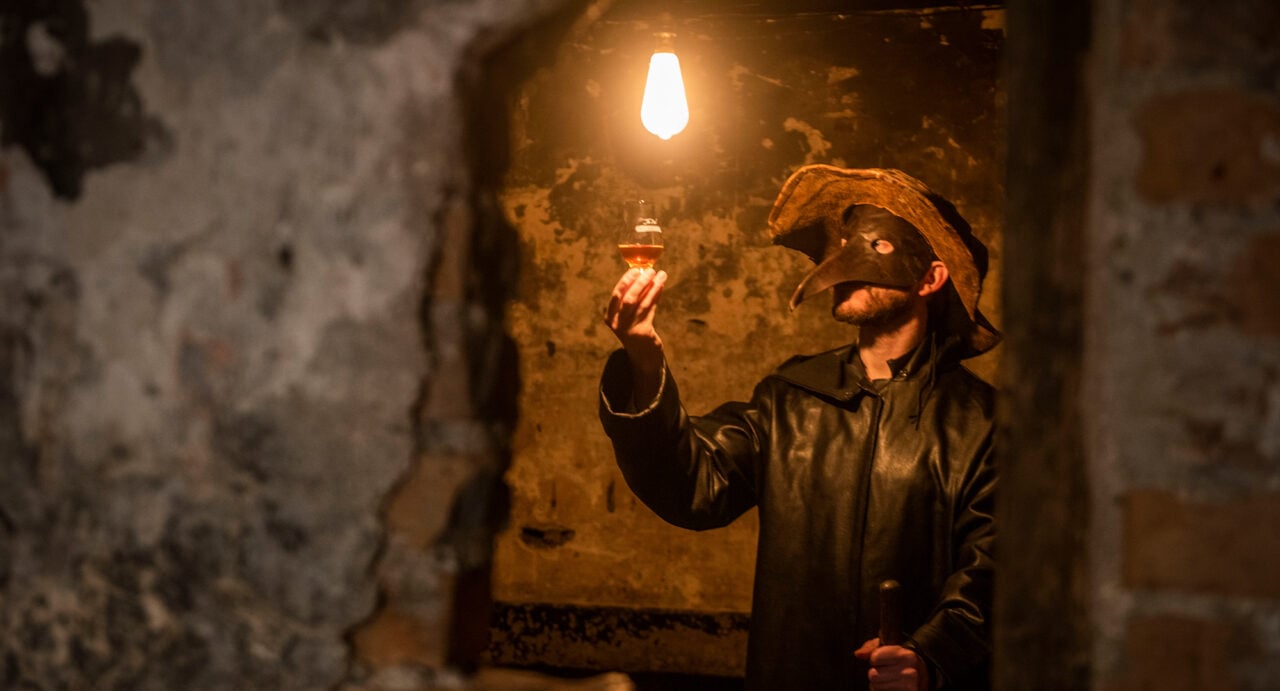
(645, 9)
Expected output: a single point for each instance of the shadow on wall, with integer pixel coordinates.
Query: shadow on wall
(69, 102)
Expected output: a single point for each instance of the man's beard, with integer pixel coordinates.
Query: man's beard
(883, 305)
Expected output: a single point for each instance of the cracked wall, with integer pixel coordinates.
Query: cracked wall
(218, 223)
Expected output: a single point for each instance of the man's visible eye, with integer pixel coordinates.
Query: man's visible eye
(882, 246)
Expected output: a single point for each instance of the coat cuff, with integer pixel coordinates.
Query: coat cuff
(937, 679)
(951, 652)
(617, 395)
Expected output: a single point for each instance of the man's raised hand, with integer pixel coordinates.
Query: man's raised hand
(632, 306)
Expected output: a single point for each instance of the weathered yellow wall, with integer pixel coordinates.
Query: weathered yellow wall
(913, 91)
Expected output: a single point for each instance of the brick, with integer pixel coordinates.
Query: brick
(1228, 548)
(1190, 36)
(1173, 653)
(1237, 35)
(1216, 146)
(1253, 287)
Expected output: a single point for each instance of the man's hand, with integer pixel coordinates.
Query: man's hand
(893, 667)
(630, 316)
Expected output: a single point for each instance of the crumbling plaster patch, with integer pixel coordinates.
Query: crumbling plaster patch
(216, 351)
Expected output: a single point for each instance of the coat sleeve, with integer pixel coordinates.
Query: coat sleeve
(956, 639)
(696, 473)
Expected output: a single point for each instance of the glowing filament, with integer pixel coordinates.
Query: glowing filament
(665, 110)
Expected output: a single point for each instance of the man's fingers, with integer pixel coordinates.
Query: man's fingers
(886, 680)
(641, 283)
(864, 651)
(618, 312)
(888, 655)
(619, 290)
(650, 296)
(891, 672)
(647, 307)
(893, 667)
(628, 308)
(627, 305)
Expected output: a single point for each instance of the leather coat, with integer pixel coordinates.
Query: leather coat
(856, 482)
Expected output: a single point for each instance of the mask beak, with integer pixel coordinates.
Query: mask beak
(851, 263)
(853, 257)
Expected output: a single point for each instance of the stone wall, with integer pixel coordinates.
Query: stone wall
(237, 243)
(1141, 471)
(1183, 345)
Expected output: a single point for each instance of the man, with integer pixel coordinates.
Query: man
(870, 462)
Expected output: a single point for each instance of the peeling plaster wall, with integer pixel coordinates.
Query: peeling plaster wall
(913, 90)
(218, 222)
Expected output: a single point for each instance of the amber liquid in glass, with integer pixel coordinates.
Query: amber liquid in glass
(640, 238)
(640, 256)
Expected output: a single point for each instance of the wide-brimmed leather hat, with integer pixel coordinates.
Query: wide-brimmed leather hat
(808, 216)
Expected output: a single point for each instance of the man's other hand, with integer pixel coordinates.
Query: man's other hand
(893, 667)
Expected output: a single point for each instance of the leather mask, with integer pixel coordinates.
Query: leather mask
(873, 246)
(836, 215)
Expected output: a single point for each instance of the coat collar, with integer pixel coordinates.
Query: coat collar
(829, 374)
(839, 373)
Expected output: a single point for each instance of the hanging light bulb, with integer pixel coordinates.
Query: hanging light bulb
(665, 110)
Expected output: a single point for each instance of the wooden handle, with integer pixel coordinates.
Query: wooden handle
(891, 614)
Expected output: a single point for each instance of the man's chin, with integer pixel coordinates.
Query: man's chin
(853, 317)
